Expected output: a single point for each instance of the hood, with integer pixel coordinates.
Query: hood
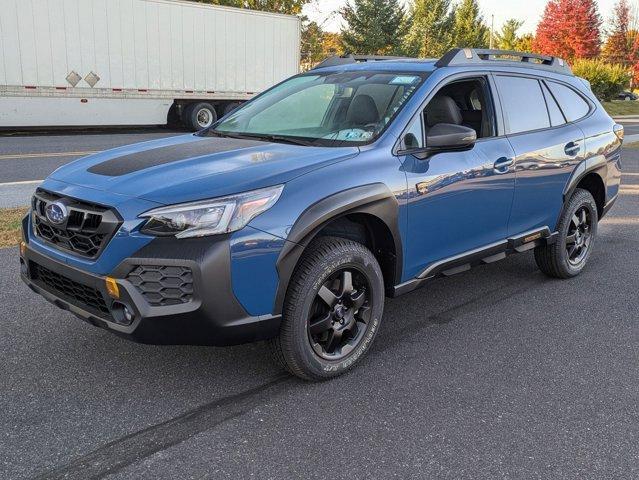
(190, 167)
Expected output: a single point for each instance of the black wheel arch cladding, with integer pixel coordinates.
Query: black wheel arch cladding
(374, 199)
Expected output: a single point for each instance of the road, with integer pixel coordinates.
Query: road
(26, 159)
(494, 373)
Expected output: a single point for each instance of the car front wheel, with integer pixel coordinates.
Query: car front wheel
(332, 310)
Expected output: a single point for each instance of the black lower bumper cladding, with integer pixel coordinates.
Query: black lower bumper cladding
(207, 314)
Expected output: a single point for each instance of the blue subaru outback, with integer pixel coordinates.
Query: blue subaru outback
(293, 217)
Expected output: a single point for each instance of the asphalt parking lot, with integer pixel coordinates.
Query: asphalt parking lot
(494, 373)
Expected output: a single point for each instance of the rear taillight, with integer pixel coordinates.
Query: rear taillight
(619, 131)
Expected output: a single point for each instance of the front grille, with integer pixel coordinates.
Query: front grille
(85, 231)
(73, 292)
(163, 285)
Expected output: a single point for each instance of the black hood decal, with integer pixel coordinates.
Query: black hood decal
(172, 153)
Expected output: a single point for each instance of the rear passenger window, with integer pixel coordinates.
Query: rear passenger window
(572, 104)
(556, 117)
(523, 104)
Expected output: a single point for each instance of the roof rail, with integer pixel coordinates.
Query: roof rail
(350, 59)
(476, 56)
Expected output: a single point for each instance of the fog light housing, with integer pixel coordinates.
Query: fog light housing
(23, 248)
(122, 314)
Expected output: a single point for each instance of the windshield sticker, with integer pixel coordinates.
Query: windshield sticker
(404, 80)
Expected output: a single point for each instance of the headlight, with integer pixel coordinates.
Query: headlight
(210, 217)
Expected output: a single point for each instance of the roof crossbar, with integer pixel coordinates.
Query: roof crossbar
(350, 59)
(476, 56)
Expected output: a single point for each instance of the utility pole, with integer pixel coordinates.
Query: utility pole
(492, 30)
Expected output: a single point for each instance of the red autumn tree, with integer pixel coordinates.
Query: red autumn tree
(634, 56)
(569, 29)
(619, 44)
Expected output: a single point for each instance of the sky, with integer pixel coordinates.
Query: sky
(530, 11)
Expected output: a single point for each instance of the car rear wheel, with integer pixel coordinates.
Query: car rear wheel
(332, 311)
(577, 229)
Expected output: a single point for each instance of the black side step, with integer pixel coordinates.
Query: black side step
(480, 256)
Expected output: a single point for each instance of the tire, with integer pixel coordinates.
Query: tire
(577, 229)
(198, 116)
(318, 341)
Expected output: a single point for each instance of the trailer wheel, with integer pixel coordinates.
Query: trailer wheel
(199, 116)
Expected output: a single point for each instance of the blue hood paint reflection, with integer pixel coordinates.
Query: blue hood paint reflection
(205, 176)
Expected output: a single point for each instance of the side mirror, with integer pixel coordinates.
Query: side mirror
(448, 136)
(443, 137)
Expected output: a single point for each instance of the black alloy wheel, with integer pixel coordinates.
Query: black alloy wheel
(579, 236)
(340, 314)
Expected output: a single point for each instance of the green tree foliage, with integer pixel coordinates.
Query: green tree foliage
(429, 32)
(525, 43)
(606, 80)
(291, 7)
(372, 27)
(507, 38)
(318, 44)
(312, 48)
(468, 27)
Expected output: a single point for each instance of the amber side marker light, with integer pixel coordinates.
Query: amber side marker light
(619, 131)
(23, 248)
(112, 287)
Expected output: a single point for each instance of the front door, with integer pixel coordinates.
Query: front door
(458, 201)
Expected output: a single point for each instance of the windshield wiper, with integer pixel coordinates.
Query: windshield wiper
(280, 138)
(265, 136)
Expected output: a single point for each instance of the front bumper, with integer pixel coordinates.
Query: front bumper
(210, 316)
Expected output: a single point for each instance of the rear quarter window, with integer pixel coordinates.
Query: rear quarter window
(571, 103)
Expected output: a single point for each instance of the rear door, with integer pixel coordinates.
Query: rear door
(547, 149)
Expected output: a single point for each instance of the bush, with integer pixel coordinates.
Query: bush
(606, 80)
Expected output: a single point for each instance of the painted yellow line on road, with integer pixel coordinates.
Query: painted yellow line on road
(13, 156)
(24, 182)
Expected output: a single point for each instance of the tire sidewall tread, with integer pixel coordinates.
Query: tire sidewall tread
(325, 255)
(553, 259)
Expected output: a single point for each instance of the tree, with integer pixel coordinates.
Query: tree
(525, 43)
(332, 44)
(569, 29)
(318, 44)
(312, 48)
(429, 32)
(372, 26)
(291, 7)
(619, 44)
(468, 26)
(507, 38)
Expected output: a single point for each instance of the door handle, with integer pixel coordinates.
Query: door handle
(572, 149)
(502, 165)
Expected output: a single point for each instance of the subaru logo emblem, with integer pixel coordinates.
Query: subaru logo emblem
(56, 213)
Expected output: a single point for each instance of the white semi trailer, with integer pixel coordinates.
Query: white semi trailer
(136, 62)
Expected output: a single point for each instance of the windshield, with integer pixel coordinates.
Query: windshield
(330, 109)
